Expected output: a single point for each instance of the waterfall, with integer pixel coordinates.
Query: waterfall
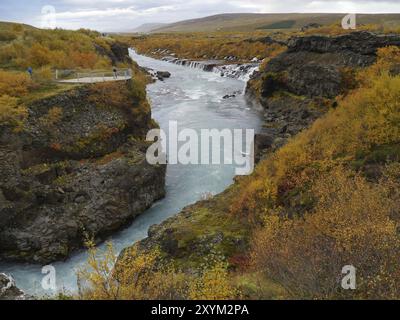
(241, 72)
(237, 71)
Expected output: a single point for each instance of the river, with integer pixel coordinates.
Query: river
(194, 99)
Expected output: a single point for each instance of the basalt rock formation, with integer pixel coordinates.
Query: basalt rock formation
(75, 169)
(299, 85)
(118, 52)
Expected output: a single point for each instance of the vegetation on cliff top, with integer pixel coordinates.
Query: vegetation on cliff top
(239, 46)
(22, 46)
(200, 46)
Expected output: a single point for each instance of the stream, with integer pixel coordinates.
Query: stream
(194, 99)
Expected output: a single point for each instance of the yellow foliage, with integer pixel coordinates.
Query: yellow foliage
(43, 75)
(133, 279)
(213, 284)
(14, 84)
(38, 56)
(352, 224)
(11, 113)
(367, 118)
(387, 58)
(59, 49)
(138, 276)
(53, 116)
(208, 46)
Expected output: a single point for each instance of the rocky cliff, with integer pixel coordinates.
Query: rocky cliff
(301, 84)
(75, 169)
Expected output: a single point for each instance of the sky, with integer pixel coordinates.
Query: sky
(125, 15)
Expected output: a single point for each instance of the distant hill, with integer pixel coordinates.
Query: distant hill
(254, 21)
(148, 27)
(9, 26)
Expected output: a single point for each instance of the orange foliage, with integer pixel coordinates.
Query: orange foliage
(14, 84)
(86, 60)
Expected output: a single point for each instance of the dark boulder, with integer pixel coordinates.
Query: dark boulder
(161, 75)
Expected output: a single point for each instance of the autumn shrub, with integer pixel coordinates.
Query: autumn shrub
(209, 46)
(110, 94)
(354, 223)
(14, 83)
(57, 49)
(213, 284)
(85, 60)
(139, 276)
(129, 96)
(7, 36)
(43, 75)
(7, 52)
(388, 57)
(38, 56)
(367, 118)
(11, 113)
(53, 116)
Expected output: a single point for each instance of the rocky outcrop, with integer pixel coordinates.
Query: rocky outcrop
(120, 52)
(299, 85)
(117, 53)
(361, 43)
(77, 169)
(199, 232)
(316, 66)
(8, 289)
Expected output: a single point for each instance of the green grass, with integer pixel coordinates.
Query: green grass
(45, 91)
